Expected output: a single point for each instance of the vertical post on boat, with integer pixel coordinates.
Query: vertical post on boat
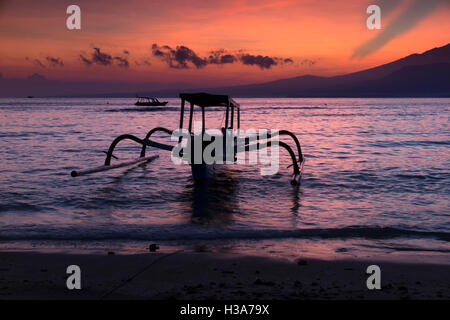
(182, 114)
(232, 116)
(238, 117)
(191, 112)
(181, 118)
(203, 120)
(226, 117)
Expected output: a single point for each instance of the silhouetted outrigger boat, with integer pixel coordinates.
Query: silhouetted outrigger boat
(203, 169)
(150, 102)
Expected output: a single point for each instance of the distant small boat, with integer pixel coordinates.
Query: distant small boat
(30, 97)
(149, 101)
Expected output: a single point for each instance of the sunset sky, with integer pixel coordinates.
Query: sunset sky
(252, 41)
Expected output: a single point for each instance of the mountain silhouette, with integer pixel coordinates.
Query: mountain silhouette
(416, 75)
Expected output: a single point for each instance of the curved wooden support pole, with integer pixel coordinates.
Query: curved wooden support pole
(292, 154)
(157, 129)
(288, 133)
(295, 164)
(299, 149)
(116, 141)
(144, 146)
(298, 166)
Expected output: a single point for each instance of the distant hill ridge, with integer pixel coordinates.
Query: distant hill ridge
(420, 75)
(417, 75)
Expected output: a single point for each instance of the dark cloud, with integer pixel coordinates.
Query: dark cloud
(54, 62)
(104, 59)
(85, 60)
(36, 62)
(182, 58)
(178, 58)
(101, 58)
(50, 62)
(221, 57)
(144, 62)
(264, 62)
(122, 62)
(227, 58)
(405, 21)
(307, 62)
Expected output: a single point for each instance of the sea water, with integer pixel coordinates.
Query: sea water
(376, 180)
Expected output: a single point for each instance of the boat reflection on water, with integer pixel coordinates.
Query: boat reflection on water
(212, 201)
(296, 200)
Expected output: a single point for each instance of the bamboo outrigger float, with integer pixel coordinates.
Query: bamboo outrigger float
(203, 170)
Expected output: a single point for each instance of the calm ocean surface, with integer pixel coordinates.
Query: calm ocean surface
(376, 180)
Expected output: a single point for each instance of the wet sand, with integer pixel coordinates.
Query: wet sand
(186, 275)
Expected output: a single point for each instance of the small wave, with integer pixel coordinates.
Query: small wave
(408, 143)
(19, 206)
(418, 176)
(190, 232)
(285, 108)
(25, 134)
(407, 248)
(152, 109)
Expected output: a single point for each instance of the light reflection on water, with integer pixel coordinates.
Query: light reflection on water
(379, 165)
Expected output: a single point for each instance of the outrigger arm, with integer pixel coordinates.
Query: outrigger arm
(297, 163)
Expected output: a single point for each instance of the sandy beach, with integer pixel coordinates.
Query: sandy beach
(187, 275)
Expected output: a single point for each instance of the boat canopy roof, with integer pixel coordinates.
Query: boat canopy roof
(147, 98)
(209, 100)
